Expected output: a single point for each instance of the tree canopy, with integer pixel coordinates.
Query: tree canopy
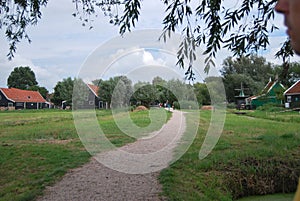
(252, 74)
(243, 28)
(63, 92)
(119, 86)
(22, 78)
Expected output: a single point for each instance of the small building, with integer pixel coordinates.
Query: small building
(89, 99)
(13, 98)
(292, 96)
(272, 93)
(94, 97)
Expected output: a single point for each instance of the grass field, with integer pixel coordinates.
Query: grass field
(38, 147)
(256, 154)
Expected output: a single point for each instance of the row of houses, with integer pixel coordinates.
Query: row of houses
(274, 92)
(15, 99)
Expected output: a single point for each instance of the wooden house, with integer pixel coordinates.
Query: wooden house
(12, 98)
(292, 96)
(272, 93)
(89, 99)
(94, 97)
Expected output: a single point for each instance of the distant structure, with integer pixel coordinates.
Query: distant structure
(292, 96)
(15, 99)
(272, 93)
(91, 99)
(240, 100)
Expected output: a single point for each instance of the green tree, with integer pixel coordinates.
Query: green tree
(161, 89)
(22, 78)
(63, 92)
(234, 82)
(202, 93)
(293, 74)
(242, 29)
(216, 90)
(180, 91)
(251, 72)
(145, 93)
(120, 86)
(253, 66)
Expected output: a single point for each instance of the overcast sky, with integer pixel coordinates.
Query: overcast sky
(60, 45)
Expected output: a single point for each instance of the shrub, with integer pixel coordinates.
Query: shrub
(271, 107)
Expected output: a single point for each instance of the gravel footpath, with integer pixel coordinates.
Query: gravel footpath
(115, 180)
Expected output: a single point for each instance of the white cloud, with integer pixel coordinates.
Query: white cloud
(44, 77)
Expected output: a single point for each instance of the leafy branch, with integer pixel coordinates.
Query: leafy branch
(242, 29)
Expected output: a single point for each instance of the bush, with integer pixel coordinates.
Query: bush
(271, 107)
(231, 105)
(176, 105)
(259, 177)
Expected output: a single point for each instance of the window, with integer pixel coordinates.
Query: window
(10, 104)
(19, 104)
(289, 99)
(91, 102)
(296, 99)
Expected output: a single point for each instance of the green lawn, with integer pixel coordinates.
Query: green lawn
(38, 147)
(254, 156)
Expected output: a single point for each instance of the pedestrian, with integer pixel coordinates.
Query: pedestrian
(291, 12)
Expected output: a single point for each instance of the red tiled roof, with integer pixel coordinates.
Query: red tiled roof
(94, 89)
(19, 95)
(294, 89)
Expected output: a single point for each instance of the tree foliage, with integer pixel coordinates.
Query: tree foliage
(144, 93)
(214, 24)
(252, 73)
(119, 91)
(119, 86)
(202, 93)
(292, 75)
(63, 91)
(22, 78)
(15, 16)
(254, 66)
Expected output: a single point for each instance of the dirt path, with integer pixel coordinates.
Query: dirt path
(142, 159)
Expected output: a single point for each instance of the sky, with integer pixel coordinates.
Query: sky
(61, 47)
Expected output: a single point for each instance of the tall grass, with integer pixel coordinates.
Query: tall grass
(253, 156)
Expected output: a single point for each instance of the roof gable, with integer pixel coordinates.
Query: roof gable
(94, 89)
(268, 87)
(271, 88)
(19, 95)
(294, 89)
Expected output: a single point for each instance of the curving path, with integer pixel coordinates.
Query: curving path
(129, 173)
